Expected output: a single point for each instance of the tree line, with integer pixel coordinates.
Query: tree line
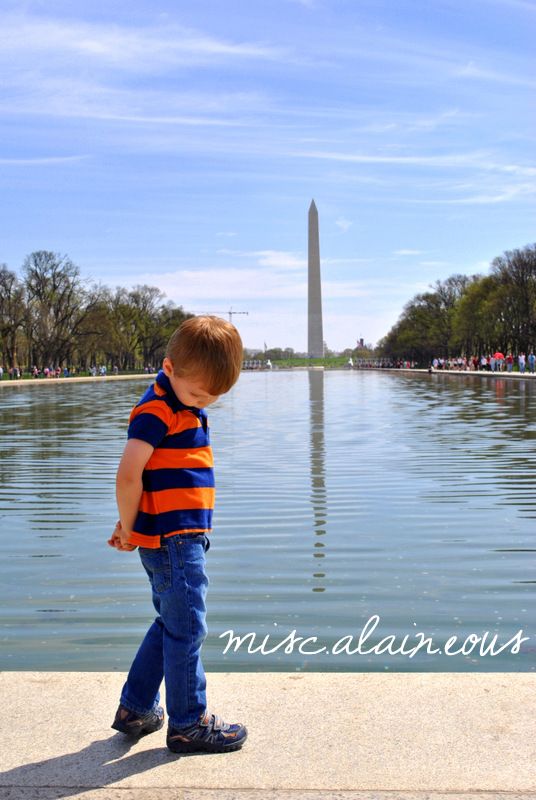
(471, 315)
(51, 317)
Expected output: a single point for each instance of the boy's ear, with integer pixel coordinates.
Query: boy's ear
(167, 366)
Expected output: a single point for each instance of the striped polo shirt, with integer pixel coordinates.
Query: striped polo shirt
(178, 479)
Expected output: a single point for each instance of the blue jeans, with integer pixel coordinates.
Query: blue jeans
(171, 649)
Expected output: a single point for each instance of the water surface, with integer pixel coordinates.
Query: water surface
(340, 496)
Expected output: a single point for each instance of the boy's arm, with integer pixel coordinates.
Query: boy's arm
(129, 486)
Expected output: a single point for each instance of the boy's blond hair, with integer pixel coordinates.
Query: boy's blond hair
(207, 349)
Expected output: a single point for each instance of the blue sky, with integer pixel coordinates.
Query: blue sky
(180, 144)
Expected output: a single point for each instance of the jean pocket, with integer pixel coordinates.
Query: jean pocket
(157, 566)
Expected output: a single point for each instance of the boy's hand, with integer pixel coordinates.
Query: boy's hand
(119, 539)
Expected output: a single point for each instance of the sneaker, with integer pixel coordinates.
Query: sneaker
(209, 734)
(138, 725)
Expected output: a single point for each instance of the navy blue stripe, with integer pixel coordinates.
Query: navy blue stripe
(148, 428)
(148, 395)
(153, 524)
(193, 437)
(170, 401)
(155, 480)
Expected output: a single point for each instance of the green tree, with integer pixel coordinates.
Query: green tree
(479, 321)
(426, 327)
(515, 270)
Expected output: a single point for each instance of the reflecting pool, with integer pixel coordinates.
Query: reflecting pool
(383, 504)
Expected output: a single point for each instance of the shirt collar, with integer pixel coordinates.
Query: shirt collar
(177, 405)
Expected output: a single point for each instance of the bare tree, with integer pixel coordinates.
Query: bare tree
(12, 314)
(58, 303)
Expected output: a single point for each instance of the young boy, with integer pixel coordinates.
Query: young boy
(165, 497)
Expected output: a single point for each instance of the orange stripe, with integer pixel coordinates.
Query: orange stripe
(142, 540)
(183, 421)
(153, 542)
(155, 407)
(178, 458)
(177, 499)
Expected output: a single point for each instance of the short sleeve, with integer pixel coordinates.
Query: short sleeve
(148, 428)
(149, 422)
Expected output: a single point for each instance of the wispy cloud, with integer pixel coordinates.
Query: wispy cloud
(45, 161)
(407, 252)
(274, 259)
(507, 194)
(476, 160)
(519, 5)
(437, 264)
(345, 261)
(439, 160)
(206, 286)
(124, 47)
(343, 224)
(228, 285)
(280, 260)
(473, 70)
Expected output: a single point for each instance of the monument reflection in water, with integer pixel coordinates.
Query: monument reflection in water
(318, 471)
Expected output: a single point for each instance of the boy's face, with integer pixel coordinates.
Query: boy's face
(190, 391)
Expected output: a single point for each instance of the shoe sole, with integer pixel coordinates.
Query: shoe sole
(193, 747)
(136, 732)
(199, 747)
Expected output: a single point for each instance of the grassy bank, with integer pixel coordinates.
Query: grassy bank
(329, 363)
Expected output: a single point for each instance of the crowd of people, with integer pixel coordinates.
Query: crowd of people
(380, 363)
(498, 362)
(15, 373)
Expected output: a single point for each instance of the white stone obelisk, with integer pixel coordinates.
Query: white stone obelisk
(315, 341)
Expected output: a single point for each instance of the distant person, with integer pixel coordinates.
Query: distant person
(521, 362)
(531, 362)
(165, 498)
(509, 362)
(268, 364)
(1, 372)
(350, 363)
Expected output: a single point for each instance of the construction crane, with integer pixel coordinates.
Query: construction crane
(230, 312)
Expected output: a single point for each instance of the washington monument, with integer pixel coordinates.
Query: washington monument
(315, 341)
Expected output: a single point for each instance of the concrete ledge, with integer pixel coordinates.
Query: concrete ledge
(167, 793)
(347, 736)
(61, 381)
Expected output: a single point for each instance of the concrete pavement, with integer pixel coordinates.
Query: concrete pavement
(312, 736)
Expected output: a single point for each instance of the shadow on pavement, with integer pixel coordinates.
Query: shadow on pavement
(100, 764)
